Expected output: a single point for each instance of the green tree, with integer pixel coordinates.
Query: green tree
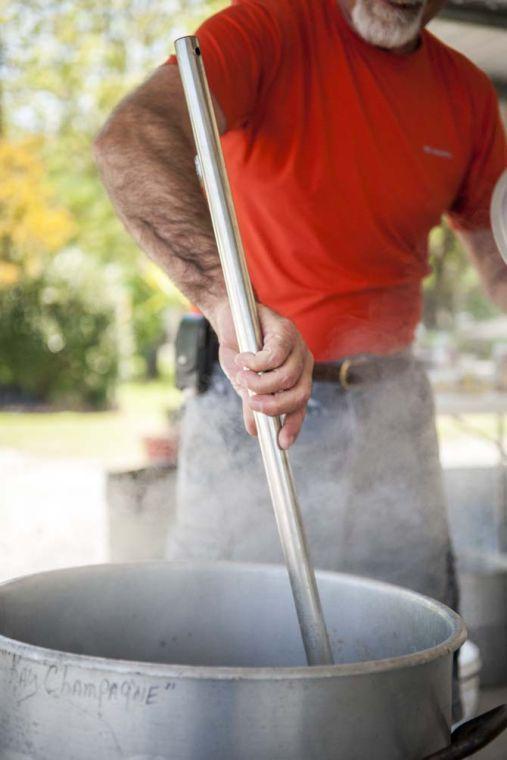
(453, 286)
(59, 317)
(65, 65)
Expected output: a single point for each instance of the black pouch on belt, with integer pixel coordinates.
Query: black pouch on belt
(196, 353)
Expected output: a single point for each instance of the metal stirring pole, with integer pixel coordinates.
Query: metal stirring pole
(244, 313)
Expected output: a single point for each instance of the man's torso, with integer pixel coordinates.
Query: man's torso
(350, 157)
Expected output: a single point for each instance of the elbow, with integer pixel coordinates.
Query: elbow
(107, 142)
(100, 144)
(118, 135)
(123, 138)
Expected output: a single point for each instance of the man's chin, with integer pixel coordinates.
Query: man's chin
(404, 7)
(387, 23)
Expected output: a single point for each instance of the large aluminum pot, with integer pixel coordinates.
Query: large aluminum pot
(204, 661)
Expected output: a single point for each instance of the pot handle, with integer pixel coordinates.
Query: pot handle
(473, 735)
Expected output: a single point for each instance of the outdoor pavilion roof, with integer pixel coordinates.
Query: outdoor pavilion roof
(479, 30)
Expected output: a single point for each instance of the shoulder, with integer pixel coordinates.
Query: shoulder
(461, 73)
(284, 24)
(253, 14)
(294, 20)
(274, 8)
(285, 11)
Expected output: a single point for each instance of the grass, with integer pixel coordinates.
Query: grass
(481, 425)
(113, 437)
(116, 437)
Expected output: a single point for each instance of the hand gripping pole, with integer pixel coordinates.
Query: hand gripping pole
(248, 333)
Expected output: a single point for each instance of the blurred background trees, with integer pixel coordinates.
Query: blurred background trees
(453, 287)
(58, 323)
(80, 306)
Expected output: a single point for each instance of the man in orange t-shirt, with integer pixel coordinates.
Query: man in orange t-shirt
(348, 130)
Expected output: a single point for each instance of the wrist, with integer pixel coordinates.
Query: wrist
(218, 313)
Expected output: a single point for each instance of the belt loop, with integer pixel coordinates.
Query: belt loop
(343, 374)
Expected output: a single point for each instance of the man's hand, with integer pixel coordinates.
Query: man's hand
(146, 156)
(286, 364)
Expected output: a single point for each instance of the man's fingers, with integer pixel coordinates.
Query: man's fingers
(284, 385)
(270, 357)
(275, 380)
(277, 346)
(289, 401)
(248, 416)
(291, 427)
(284, 402)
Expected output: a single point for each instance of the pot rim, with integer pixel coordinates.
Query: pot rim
(46, 656)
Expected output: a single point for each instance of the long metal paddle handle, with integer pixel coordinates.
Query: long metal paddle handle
(246, 323)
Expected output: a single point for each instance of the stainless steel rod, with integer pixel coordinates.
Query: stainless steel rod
(246, 323)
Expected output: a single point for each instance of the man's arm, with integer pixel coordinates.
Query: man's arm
(481, 246)
(145, 153)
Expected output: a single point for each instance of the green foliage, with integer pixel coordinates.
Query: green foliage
(65, 66)
(58, 337)
(32, 225)
(59, 333)
(453, 286)
(148, 322)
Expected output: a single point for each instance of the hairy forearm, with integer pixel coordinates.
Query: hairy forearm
(146, 161)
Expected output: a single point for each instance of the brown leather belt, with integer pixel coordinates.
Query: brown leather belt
(358, 370)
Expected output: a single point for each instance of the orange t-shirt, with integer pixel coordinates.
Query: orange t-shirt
(342, 157)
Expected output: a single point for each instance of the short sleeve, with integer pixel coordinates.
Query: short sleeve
(470, 210)
(241, 49)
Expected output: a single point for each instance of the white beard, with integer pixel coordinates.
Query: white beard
(384, 26)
